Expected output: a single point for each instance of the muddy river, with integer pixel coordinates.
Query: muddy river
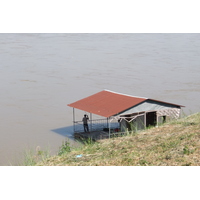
(42, 73)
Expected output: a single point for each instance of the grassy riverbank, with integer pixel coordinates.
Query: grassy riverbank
(172, 144)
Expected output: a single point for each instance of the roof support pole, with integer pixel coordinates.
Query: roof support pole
(74, 118)
(109, 128)
(91, 122)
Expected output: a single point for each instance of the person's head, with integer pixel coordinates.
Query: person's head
(85, 115)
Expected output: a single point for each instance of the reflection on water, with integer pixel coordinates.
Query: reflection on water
(42, 73)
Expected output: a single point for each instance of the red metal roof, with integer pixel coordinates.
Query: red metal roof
(107, 103)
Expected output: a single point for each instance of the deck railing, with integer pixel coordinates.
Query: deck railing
(95, 125)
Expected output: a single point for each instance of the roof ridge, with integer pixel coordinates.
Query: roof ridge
(125, 94)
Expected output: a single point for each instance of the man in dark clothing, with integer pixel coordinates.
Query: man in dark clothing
(85, 123)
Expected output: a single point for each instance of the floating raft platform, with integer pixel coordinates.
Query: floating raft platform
(96, 135)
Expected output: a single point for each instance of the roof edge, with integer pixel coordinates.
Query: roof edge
(125, 94)
(166, 102)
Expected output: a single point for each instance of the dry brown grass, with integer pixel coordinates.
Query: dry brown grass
(173, 144)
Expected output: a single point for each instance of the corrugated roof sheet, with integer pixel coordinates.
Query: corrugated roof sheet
(107, 103)
(166, 102)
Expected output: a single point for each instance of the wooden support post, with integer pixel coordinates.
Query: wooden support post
(156, 119)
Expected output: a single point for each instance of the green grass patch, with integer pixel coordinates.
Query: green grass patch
(172, 144)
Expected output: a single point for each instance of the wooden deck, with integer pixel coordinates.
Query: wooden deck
(96, 135)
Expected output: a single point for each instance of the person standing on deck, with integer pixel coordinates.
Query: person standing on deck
(85, 123)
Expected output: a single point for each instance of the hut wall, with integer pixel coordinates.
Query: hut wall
(138, 123)
(172, 113)
(142, 120)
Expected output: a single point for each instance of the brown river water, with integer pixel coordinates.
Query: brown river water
(42, 73)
